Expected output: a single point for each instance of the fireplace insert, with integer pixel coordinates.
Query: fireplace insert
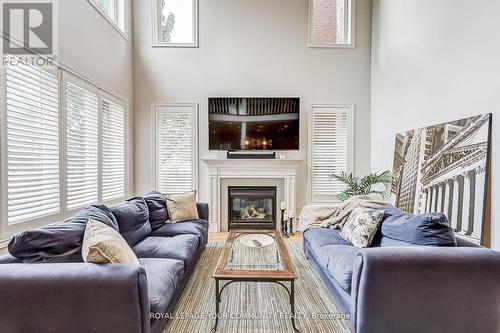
(252, 207)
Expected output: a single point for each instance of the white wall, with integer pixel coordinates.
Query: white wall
(89, 44)
(432, 62)
(249, 48)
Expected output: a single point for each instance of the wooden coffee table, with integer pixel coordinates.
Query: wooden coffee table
(254, 256)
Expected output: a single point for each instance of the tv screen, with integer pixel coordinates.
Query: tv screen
(254, 123)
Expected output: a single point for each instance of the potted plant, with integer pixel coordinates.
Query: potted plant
(364, 185)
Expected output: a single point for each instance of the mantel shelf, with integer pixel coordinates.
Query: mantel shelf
(215, 162)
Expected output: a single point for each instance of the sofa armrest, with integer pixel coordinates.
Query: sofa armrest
(202, 210)
(73, 297)
(409, 289)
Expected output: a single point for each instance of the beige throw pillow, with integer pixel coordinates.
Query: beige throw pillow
(361, 226)
(181, 207)
(103, 244)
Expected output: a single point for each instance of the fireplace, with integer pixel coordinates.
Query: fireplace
(252, 207)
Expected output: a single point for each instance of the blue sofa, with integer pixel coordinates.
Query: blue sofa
(46, 286)
(399, 286)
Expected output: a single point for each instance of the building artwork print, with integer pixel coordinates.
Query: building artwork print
(444, 168)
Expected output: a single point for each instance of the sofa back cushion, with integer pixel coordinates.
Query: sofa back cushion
(133, 220)
(59, 242)
(426, 229)
(157, 206)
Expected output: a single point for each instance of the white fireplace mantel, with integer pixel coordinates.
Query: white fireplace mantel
(249, 169)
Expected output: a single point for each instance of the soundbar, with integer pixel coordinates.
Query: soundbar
(246, 155)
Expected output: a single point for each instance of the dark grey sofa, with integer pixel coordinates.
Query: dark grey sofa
(397, 286)
(43, 294)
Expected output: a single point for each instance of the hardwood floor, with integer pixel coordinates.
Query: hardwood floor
(220, 237)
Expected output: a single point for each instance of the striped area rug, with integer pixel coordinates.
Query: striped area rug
(263, 304)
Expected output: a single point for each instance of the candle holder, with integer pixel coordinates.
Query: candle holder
(290, 228)
(284, 226)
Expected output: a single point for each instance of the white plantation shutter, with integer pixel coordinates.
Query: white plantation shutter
(32, 143)
(56, 159)
(113, 150)
(176, 128)
(331, 149)
(81, 147)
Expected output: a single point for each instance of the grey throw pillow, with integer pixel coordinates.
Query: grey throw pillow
(361, 226)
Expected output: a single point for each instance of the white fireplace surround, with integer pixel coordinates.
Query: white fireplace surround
(219, 169)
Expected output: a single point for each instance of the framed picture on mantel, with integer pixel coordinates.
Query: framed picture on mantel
(445, 168)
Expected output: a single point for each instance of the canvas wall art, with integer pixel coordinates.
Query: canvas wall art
(444, 168)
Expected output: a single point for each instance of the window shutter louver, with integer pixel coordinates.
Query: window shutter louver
(32, 143)
(330, 151)
(81, 147)
(113, 150)
(175, 150)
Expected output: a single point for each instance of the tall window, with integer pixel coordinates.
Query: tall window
(175, 147)
(81, 146)
(32, 143)
(175, 23)
(57, 157)
(95, 146)
(331, 149)
(113, 10)
(331, 23)
(113, 150)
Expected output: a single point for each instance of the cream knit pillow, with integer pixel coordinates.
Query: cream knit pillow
(181, 207)
(103, 244)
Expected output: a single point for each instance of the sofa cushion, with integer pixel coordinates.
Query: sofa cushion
(194, 227)
(164, 276)
(9, 259)
(105, 245)
(383, 241)
(321, 236)
(339, 262)
(425, 229)
(157, 206)
(181, 247)
(60, 241)
(133, 220)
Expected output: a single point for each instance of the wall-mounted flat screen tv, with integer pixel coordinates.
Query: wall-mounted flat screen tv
(254, 123)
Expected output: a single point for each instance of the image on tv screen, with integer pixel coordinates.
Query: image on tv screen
(254, 123)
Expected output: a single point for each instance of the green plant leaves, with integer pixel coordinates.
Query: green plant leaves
(362, 186)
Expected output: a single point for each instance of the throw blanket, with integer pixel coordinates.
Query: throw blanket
(336, 216)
